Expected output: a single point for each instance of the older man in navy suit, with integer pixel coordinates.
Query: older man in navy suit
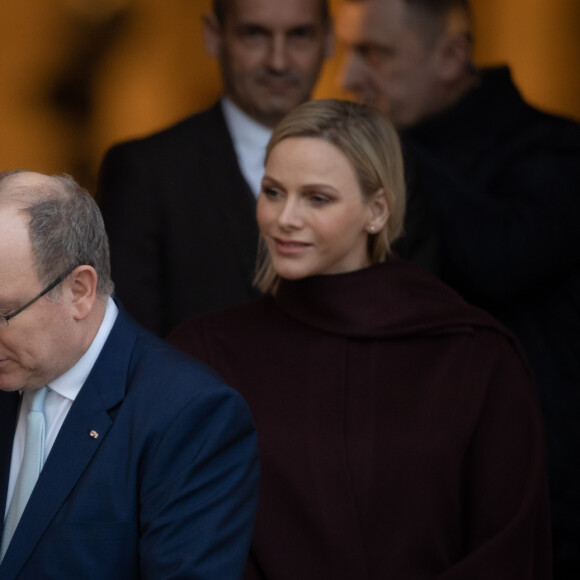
(145, 461)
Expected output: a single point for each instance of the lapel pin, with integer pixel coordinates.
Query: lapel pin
(94, 434)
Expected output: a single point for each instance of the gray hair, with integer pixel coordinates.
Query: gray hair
(66, 229)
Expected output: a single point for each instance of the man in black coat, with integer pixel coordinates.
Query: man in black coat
(179, 206)
(504, 181)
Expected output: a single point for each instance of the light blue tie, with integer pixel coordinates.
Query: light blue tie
(32, 462)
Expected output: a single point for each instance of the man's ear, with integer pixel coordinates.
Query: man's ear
(82, 288)
(212, 34)
(454, 57)
(379, 210)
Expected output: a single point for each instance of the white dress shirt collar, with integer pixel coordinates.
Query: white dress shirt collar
(69, 384)
(250, 140)
(59, 398)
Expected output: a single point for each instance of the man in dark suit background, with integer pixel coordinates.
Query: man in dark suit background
(179, 206)
(503, 179)
(148, 463)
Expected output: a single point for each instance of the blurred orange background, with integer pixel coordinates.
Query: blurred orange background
(79, 75)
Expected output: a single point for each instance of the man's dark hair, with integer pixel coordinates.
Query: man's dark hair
(220, 9)
(440, 6)
(433, 13)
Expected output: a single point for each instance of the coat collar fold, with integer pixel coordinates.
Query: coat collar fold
(391, 299)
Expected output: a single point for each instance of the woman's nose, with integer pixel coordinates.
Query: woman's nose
(290, 216)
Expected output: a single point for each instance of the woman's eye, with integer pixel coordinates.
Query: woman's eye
(319, 199)
(269, 192)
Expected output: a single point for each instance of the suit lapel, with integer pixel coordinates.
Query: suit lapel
(231, 192)
(74, 446)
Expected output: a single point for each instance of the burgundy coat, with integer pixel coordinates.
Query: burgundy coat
(399, 431)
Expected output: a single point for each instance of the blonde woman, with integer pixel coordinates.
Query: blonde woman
(399, 431)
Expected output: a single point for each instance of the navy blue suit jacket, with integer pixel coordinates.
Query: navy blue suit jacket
(168, 489)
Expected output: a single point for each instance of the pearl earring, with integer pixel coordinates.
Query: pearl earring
(372, 229)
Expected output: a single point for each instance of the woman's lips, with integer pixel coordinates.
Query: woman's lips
(290, 247)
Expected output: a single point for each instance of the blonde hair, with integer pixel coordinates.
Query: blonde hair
(371, 144)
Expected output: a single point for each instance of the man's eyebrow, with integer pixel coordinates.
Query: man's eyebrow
(305, 26)
(8, 306)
